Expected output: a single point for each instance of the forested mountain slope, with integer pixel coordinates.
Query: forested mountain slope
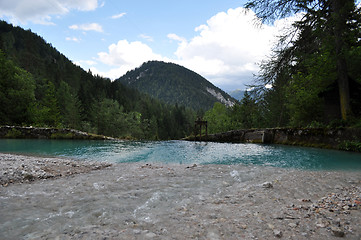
(41, 87)
(175, 84)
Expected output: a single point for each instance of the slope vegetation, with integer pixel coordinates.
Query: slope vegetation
(175, 84)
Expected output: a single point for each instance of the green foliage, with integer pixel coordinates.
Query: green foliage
(59, 135)
(41, 87)
(354, 146)
(16, 93)
(173, 84)
(109, 117)
(249, 112)
(13, 133)
(315, 75)
(243, 115)
(218, 119)
(46, 111)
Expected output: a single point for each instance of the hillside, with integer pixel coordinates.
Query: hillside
(42, 87)
(175, 84)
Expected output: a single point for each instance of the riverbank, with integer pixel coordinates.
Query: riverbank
(47, 133)
(154, 201)
(348, 139)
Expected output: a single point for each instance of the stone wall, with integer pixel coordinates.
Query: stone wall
(46, 133)
(313, 137)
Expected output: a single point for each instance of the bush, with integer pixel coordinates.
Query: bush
(13, 133)
(354, 146)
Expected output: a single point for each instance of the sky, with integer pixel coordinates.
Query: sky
(217, 39)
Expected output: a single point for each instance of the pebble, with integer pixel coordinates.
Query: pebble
(267, 185)
(348, 199)
(150, 235)
(277, 233)
(338, 232)
(292, 225)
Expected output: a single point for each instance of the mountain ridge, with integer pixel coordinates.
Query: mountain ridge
(175, 84)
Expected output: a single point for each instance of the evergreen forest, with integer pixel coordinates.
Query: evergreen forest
(41, 87)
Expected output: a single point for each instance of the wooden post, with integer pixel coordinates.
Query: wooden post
(200, 122)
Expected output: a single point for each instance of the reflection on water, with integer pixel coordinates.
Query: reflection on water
(187, 153)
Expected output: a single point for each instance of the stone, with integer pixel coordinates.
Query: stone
(271, 226)
(267, 185)
(321, 224)
(277, 233)
(212, 236)
(337, 232)
(292, 225)
(137, 231)
(150, 235)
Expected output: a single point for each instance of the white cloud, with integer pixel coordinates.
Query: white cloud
(87, 27)
(40, 11)
(173, 36)
(82, 5)
(74, 39)
(229, 47)
(118, 16)
(125, 56)
(146, 37)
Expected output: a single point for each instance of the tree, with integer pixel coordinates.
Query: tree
(47, 111)
(218, 118)
(69, 106)
(250, 117)
(109, 118)
(327, 26)
(16, 93)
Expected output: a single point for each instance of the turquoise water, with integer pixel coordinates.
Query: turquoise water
(184, 152)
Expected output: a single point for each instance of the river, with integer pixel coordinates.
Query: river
(184, 152)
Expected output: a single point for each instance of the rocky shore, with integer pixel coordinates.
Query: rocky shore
(146, 201)
(25, 169)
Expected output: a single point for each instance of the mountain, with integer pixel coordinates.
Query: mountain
(175, 84)
(237, 94)
(42, 87)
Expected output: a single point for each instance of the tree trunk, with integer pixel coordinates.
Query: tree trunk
(339, 19)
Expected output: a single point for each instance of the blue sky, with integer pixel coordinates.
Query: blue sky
(214, 38)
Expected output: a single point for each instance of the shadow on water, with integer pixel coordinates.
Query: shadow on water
(183, 152)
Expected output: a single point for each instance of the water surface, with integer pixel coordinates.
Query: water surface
(184, 152)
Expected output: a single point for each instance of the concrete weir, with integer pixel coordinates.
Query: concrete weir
(312, 137)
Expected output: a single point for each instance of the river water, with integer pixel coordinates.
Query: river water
(183, 152)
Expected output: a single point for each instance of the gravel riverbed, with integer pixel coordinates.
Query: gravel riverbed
(54, 198)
